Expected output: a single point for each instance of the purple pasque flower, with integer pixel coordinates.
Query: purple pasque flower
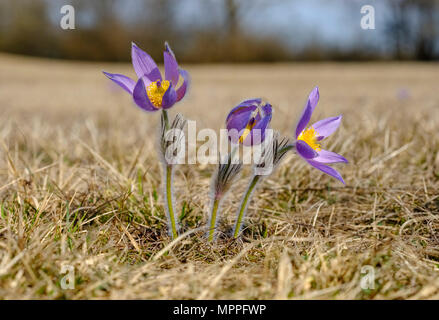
(151, 92)
(308, 139)
(249, 120)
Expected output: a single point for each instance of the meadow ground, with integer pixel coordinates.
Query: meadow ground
(81, 187)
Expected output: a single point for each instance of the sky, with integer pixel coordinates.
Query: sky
(329, 22)
(297, 23)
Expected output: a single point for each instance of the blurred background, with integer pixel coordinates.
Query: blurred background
(207, 31)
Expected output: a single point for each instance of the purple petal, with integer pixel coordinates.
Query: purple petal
(267, 109)
(143, 64)
(305, 150)
(171, 68)
(181, 91)
(257, 133)
(168, 49)
(314, 97)
(326, 169)
(153, 76)
(123, 81)
(251, 102)
(311, 104)
(141, 98)
(169, 98)
(247, 106)
(263, 124)
(239, 117)
(326, 156)
(327, 126)
(304, 119)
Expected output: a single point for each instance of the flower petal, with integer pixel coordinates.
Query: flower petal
(314, 97)
(153, 76)
(267, 109)
(171, 68)
(246, 107)
(251, 102)
(168, 49)
(326, 169)
(257, 133)
(239, 118)
(327, 126)
(143, 64)
(311, 104)
(181, 91)
(305, 150)
(169, 98)
(123, 81)
(325, 156)
(304, 119)
(141, 98)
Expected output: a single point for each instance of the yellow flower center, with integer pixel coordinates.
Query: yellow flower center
(310, 137)
(251, 123)
(156, 90)
(247, 130)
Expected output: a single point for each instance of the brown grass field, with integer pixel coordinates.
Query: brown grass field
(81, 186)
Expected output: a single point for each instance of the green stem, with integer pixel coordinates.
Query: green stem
(168, 187)
(244, 203)
(165, 117)
(170, 207)
(213, 219)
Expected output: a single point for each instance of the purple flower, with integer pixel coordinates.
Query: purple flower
(249, 120)
(403, 94)
(308, 140)
(151, 92)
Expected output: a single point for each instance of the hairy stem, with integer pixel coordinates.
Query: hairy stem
(165, 117)
(169, 202)
(244, 203)
(168, 188)
(213, 216)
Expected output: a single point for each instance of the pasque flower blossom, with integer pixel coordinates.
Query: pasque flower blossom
(307, 145)
(308, 140)
(250, 119)
(151, 92)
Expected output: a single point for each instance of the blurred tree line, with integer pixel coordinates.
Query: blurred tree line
(102, 33)
(413, 29)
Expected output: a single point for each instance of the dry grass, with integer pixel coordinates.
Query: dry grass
(81, 186)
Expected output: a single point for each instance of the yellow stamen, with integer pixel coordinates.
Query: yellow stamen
(310, 137)
(155, 93)
(247, 130)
